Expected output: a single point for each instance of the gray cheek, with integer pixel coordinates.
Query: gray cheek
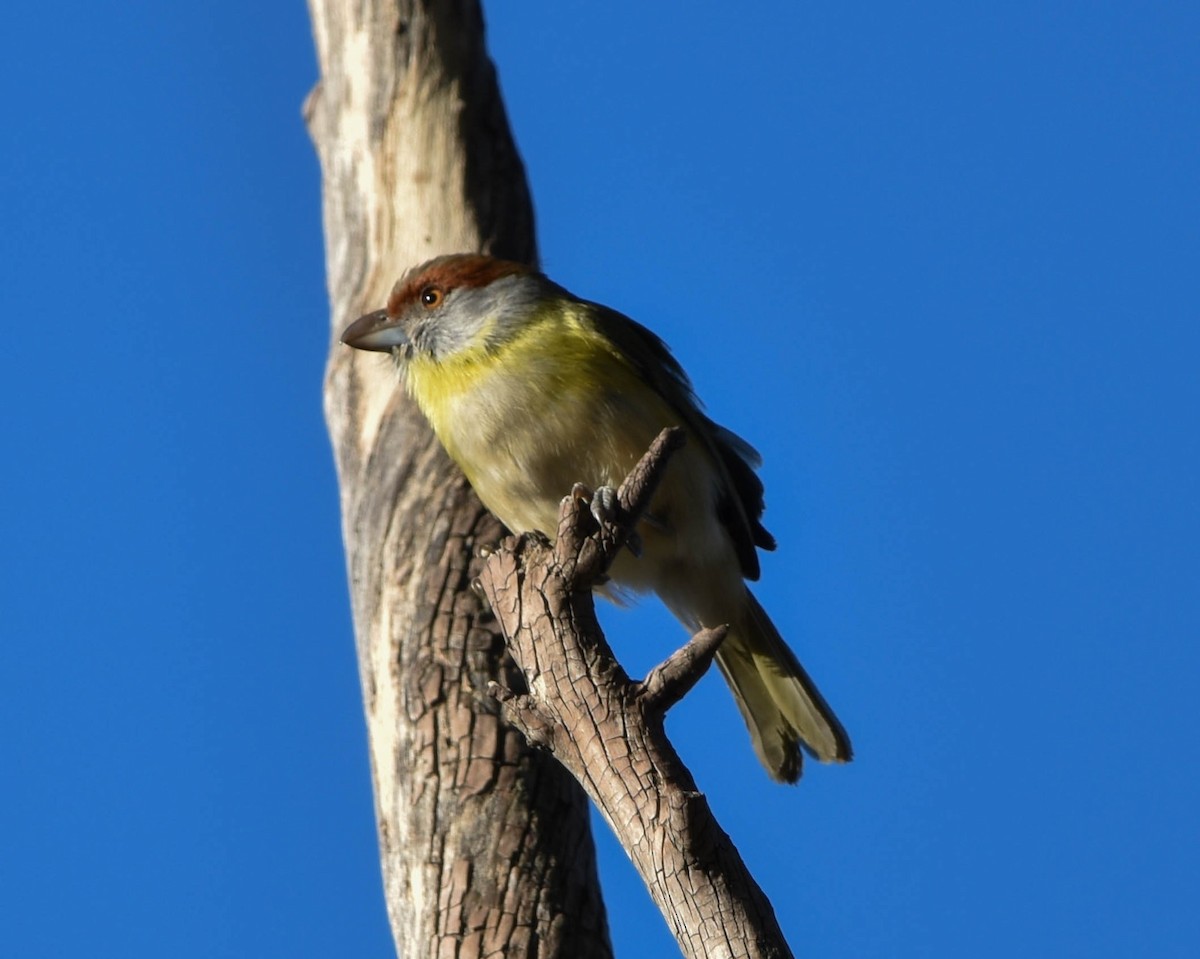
(455, 325)
(505, 304)
(429, 337)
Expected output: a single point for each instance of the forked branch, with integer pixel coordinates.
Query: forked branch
(607, 729)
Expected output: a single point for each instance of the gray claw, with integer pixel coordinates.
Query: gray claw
(604, 505)
(479, 591)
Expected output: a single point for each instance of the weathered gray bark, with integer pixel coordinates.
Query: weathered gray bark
(485, 844)
(608, 730)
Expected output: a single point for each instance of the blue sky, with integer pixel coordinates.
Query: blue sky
(938, 262)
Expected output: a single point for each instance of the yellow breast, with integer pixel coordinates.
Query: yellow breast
(555, 405)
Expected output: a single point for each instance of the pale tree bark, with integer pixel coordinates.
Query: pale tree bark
(485, 844)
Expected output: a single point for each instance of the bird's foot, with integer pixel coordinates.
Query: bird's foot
(602, 502)
(604, 505)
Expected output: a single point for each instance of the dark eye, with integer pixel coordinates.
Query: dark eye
(431, 296)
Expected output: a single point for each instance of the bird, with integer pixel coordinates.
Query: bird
(531, 390)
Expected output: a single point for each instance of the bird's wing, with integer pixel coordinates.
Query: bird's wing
(740, 498)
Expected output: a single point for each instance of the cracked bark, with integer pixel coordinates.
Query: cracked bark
(484, 841)
(608, 730)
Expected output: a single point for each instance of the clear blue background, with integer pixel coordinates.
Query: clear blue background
(939, 262)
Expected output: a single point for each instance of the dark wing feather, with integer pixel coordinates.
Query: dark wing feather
(740, 498)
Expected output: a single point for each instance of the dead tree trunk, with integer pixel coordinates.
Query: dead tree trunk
(485, 843)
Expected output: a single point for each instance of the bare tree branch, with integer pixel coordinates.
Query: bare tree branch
(673, 678)
(608, 730)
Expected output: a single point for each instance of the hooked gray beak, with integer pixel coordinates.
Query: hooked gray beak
(375, 331)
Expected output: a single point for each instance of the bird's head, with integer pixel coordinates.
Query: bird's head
(452, 306)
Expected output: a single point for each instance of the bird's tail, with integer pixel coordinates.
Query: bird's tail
(780, 704)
